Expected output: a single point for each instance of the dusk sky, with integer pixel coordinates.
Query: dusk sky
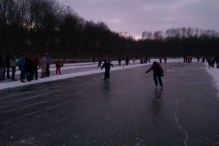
(136, 16)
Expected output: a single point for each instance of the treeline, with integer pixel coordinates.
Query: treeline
(39, 26)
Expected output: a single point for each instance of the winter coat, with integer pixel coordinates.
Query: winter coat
(21, 63)
(7, 61)
(217, 59)
(58, 64)
(35, 62)
(1, 62)
(106, 66)
(43, 64)
(157, 69)
(28, 65)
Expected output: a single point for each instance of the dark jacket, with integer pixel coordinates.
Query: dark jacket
(216, 59)
(28, 65)
(7, 61)
(156, 69)
(35, 62)
(106, 66)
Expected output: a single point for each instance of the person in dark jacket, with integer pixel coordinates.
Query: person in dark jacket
(48, 65)
(28, 68)
(119, 61)
(106, 65)
(158, 72)
(99, 62)
(7, 62)
(58, 67)
(127, 60)
(216, 58)
(35, 64)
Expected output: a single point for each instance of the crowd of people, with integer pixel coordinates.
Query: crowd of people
(28, 67)
(211, 60)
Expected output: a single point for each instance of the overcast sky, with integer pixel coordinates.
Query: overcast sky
(136, 16)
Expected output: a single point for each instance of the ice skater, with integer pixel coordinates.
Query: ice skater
(106, 65)
(58, 67)
(158, 72)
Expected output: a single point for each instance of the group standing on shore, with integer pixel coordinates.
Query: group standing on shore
(28, 67)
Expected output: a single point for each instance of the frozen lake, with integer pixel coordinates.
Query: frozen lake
(127, 110)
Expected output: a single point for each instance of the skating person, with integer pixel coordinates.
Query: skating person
(93, 61)
(107, 66)
(7, 62)
(35, 63)
(212, 62)
(99, 62)
(141, 61)
(160, 59)
(58, 67)
(43, 65)
(188, 59)
(203, 59)
(48, 65)
(13, 66)
(145, 60)
(119, 61)
(158, 72)
(127, 60)
(22, 67)
(216, 58)
(165, 59)
(134, 60)
(198, 58)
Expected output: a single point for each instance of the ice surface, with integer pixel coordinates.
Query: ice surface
(214, 72)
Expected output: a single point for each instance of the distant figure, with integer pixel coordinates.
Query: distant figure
(106, 65)
(28, 68)
(149, 59)
(119, 61)
(13, 66)
(198, 58)
(165, 59)
(58, 67)
(134, 60)
(158, 72)
(48, 65)
(203, 59)
(99, 62)
(160, 59)
(43, 65)
(35, 62)
(21, 66)
(216, 58)
(127, 60)
(146, 60)
(141, 61)
(7, 62)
